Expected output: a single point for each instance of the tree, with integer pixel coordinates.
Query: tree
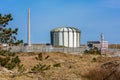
(8, 35)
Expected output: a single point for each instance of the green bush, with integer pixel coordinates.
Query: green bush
(40, 68)
(39, 57)
(15, 60)
(94, 59)
(4, 61)
(10, 66)
(6, 53)
(9, 62)
(94, 50)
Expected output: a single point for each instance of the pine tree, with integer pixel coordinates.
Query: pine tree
(8, 35)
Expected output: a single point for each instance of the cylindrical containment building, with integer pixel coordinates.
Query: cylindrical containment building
(65, 37)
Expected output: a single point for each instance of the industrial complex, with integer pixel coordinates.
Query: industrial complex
(63, 39)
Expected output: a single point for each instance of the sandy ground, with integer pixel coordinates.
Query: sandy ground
(72, 67)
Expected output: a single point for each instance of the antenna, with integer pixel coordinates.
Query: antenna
(102, 40)
(102, 37)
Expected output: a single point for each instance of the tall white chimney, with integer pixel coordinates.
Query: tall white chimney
(29, 43)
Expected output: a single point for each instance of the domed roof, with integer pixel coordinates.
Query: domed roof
(65, 29)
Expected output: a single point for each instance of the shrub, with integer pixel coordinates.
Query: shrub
(40, 68)
(15, 60)
(4, 61)
(10, 66)
(39, 57)
(94, 59)
(21, 68)
(6, 53)
(47, 57)
(57, 65)
(9, 62)
(92, 51)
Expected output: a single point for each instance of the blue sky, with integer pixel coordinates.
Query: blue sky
(92, 17)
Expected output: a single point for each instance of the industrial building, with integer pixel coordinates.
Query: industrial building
(101, 45)
(92, 44)
(65, 37)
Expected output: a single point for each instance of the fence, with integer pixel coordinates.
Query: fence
(49, 48)
(36, 48)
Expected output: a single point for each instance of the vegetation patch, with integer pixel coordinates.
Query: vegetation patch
(94, 59)
(9, 62)
(94, 50)
(39, 57)
(40, 68)
(57, 65)
(6, 53)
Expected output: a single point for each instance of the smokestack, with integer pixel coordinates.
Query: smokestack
(29, 43)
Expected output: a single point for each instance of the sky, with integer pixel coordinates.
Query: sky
(92, 17)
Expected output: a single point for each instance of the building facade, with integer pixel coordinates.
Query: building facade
(92, 44)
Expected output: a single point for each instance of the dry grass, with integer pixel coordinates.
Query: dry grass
(72, 67)
(113, 46)
(102, 74)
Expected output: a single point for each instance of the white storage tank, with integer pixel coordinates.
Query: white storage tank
(65, 37)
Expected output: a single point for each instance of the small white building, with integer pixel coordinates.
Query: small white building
(105, 44)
